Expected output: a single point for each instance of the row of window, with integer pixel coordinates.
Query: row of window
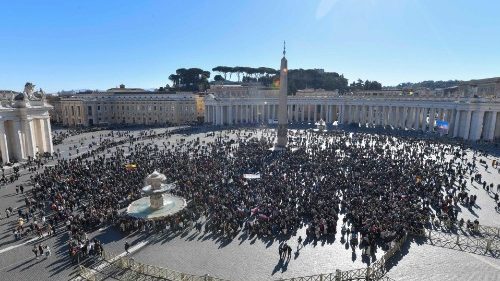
(182, 109)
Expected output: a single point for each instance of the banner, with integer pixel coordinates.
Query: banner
(442, 127)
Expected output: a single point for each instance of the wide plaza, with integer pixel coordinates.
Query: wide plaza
(242, 256)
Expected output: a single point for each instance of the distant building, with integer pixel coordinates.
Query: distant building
(471, 109)
(131, 107)
(56, 111)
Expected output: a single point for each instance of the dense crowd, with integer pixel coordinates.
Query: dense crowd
(380, 186)
(59, 136)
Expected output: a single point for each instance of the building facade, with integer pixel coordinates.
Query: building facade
(56, 111)
(131, 107)
(471, 110)
(24, 126)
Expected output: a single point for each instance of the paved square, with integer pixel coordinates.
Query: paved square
(246, 257)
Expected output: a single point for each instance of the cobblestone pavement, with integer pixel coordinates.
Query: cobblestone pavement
(245, 258)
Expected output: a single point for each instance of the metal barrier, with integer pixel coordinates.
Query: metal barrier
(319, 277)
(377, 270)
(160, 272)
(489, 230)
(87, 273)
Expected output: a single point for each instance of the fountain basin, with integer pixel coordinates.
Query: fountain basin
(142, 209)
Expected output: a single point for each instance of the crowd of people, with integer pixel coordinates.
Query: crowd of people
(378, 186)
(58, 136)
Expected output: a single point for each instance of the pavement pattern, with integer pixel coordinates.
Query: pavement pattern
(243, 258)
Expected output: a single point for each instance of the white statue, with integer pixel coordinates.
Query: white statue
(28, 90)
(42, 95)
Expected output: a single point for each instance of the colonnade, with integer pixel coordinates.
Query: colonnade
(261, 113)
(470, 122)
(20, 138)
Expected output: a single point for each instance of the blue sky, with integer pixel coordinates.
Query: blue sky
(100, 44)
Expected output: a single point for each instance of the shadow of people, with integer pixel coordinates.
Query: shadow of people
(366, 259)
(277, 266)
(285, 266)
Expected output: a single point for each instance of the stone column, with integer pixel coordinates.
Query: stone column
(341, 114)
(4, 148)
(205, 115)
(490, 135)
(220, 115)
(390, 116)
(423, 118)
(262, 113)
(405, 115)
(241, 117)
(48, 136)
(399, 116)
(450, 117)
(456, 125)
(347, 114)
(416, 118)
(357, 114)
(408, 117)
(432, 118)
(250, 113)
(360, 114)
(477, 128)
(315, 112)
(236, 115)
(246, 113)
(255, 112)
(354, 112)
(28, 133)
(369, 113)
(230, 114)
(362, 117)
(385, 112)
(467, 125)
(18, 142)
(416, 112)
(222, 119)
(215, 114)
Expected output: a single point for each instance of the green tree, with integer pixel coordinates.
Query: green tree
(175, 79)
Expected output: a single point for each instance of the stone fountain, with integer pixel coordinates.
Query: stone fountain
(157, 203)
